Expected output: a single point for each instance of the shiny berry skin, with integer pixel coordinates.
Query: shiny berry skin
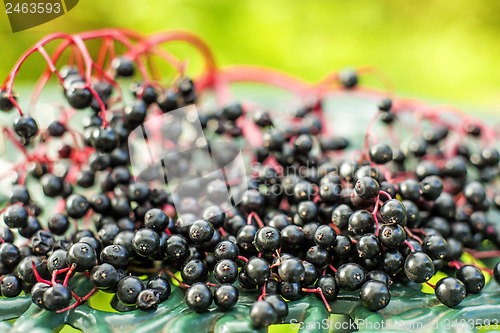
(435, 247)
(374, 295)
(193, 271)
(57, 297)
(432, 187)
(350, 277)
(474, 193)
(26, 127)
(77, 206)
(57, 260)
(258, 270)
(198, 297)
(115, 255)
(226, 296)
(25, 268)
(318, 256)
(176, 247)
(201, 231)
(273, 139)
(450, 291)
(368, 246)
(379, 276)
(11, 285)
(104, 139)
(37, 293)
(367, 188)
(128, 289)
(267, 240)
(292, 237)
(145, 242)
(104, 276)
(78, 97)
(391, 261)
(410, 190)
(123, 66)
(16, 216)
(325, 236)
(5, 103)
(262, 314)
(83, 255)
(392, 235)
(226, 250)
(472, 278)
(341, 215)
(342, 246)
(393, 211)
(226, 271)
(156, 219)
(58, 224)
(161, 285)
(380, 153)
(361, 222)
(329, 287)
(9, 254)
(291, 270)
(418, 267)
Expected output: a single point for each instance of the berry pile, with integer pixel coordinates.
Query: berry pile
(319, 214)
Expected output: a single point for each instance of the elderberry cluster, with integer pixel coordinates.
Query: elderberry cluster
(319, 215)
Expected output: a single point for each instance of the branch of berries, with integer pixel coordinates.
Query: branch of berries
(313, 219)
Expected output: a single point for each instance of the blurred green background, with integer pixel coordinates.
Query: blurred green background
(435, 49)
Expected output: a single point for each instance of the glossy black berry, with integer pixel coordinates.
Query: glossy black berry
(472, 278)
(379, 276)
(368, 246)
(435, 247)
(148, 299)
(391, 235)
(374, 295)
(42, 242)
(258, 270)
(11, 285)
(37, 293)
(123, 66)
(262, 314)
(16, 216)
(341, 215)
(26, 127)
(161, 285)
(77, 206)
(325, 236)
(104, 276)
(145, 242)
(361, 222)
(78, 96)
(58, 224)
(328, 286)
(267, 240)
(348, 78)
(291, 270)
(450, 291)
(9, 254)
(393, 211)
(418, 267)
(380, 153)
(226, 296)
(128, 289)
(385, 105)
(226, 250)
(198, 297)
(57, 297)
(83, 255)
(350, 276)
(201, 231)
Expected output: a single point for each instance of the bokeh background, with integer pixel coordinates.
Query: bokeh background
(443, 51)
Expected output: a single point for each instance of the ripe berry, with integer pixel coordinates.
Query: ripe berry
(37, 293)
(226, 250)
(226, 296)
(145, 242)
(361, 222)
(198, 297)
(26, 127)
(450, 291)
(348, 78)
(16, 216)
(472, 278)
(350, 276)
(201, 231)
(341, 215)
(104, 276)
(379, 276)
(162, 286)
(328, 286)
(193, 271)
(42, 242)
(367, 188)
(325, 236)
(9, 254)
(267, 240)
(374, 295)
(418, 267)
(57, 297)
(258, 270)
(79, 97)
(262, 314)
(279, 305)
(76, 206)
(393, 211)
(11, 285)
(57, 260)
(123, 66)
(380, 153)
(291, 270)
(385, 105)
(128, 289)
(391, 235)
(83, 255)
(368, 246)
(435, 247)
